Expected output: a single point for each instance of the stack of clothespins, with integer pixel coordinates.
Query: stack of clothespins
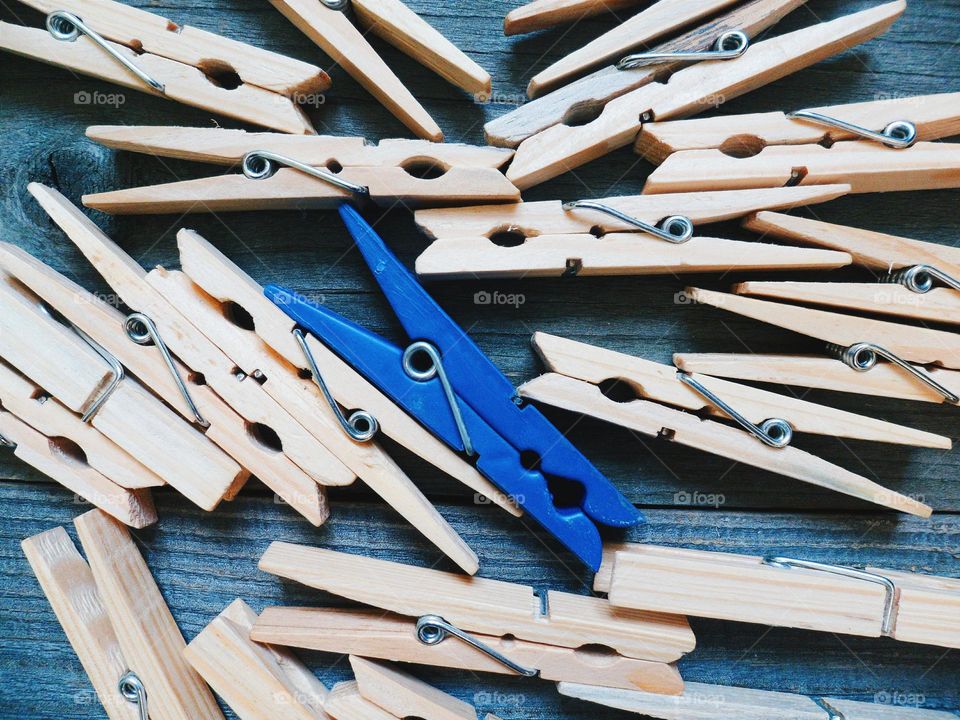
(211, 378)
(143, 51)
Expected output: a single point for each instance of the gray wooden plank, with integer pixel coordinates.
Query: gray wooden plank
(202, 562)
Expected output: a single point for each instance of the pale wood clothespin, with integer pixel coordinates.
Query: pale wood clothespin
(878, 146)
(582, 100)
(262, 389)
(694, 89)
(858, 342)
(542, 633)
(258, 682)
(542, 14)
(87, 381)
(722, 702)
(143, 51)
(402, 695)
(632, 235)
(659, 19)
(325, 22)
(118, 623)
(918, 279)
(277, 172)
(383, 692)
(785, 592)
(767, 420)
(825, 373)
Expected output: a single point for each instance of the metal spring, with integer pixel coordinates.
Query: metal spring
(263, 164)
(361, 426)
(133, 691)
(676, 229)
(336, 4)
(729, 46)
(832, 712)
(863, 357)
(67, 27)
(921, 278)
(433, 630)
(143, 331)
(436, 370)
(4, 442)
(898, 135)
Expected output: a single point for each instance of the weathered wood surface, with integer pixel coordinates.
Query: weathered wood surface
(202, 562)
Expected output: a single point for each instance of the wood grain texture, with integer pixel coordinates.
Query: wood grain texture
(203, 561)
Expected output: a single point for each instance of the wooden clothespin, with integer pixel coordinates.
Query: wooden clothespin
(118, 623)
(258, 682)
(660, 19)
(920, 279)
(542, 14)
(88, 381)
(547, 629)
(692, 90)
(768, 420)
(720, 702)
(238, 367)
(859, 342)
(284, 172)
(878, 146)
(54, 457)
(582, 100)
(883, 380)
(633, 235)
(325, 22)
(786, 592)
(143, 51)
(402, 695)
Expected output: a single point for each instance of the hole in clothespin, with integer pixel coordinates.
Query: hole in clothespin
(68, 450)
(173, 27)
(582, 114)
(265, 436)
(508, 237)
(597, 655)
(135, 45)
(618, 390)
(425, 169)
(238, 315)
(565, 493)
(743, 146)
(220, 74)
(530, 460)
(335, 167)
(827, 141)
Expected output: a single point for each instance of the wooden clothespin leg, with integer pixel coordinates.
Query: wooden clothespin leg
(542, 14)
(258, 682)
(118, 623)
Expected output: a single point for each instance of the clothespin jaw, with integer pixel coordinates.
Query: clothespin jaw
(295, 172)
(143, 51)
(583, 99)
(562, 148)
(469, 390)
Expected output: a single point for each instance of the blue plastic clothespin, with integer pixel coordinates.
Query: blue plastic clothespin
(445, 381)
